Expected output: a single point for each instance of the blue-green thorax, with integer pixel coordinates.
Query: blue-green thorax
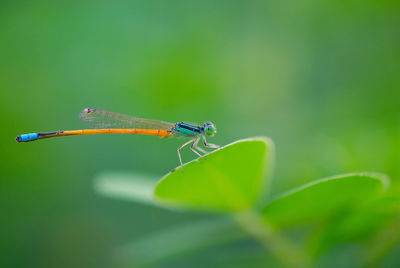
(186, 130)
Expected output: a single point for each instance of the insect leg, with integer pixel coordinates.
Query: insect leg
(179, 151)
(209, 145)
(194, 145)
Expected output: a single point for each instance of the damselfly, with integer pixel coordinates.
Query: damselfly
(104, 122)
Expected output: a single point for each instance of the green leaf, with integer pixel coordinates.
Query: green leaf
(322, 198)
(356, 224)
(179, 240)
(136, 187)
(229, 179)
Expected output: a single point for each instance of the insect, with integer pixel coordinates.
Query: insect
(105, 122)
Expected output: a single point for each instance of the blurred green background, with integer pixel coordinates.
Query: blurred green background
(320, 78)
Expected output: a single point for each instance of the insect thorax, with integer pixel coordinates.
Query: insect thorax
(187, 130)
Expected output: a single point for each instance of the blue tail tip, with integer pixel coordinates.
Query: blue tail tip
(27, 137)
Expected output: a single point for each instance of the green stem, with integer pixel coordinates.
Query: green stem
(283, 249)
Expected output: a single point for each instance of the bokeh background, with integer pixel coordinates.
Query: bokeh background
(322, 79)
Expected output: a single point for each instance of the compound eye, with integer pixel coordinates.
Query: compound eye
(209, 129)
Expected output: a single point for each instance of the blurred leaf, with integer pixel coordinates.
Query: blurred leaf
(383, 243)
(322, 198)
(376, 222)
(136, 187)
(386, 239)
(229, 179)
(355, 224)
(178, 240)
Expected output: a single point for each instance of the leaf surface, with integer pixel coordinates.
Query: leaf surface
(229, 179)
(322, 198)
(137, 187)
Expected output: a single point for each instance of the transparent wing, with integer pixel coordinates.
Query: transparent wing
(103, 119)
